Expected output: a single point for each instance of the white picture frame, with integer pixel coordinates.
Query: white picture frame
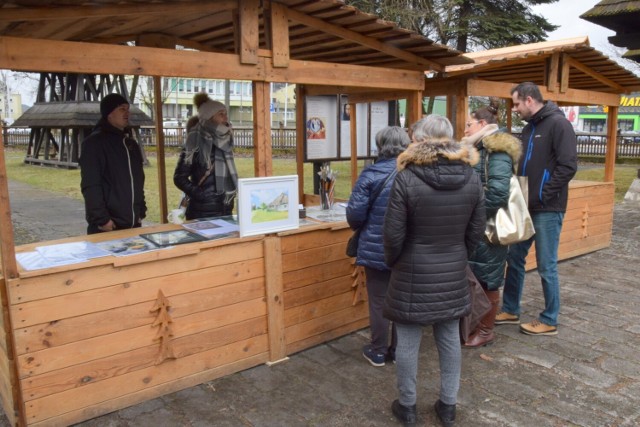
(267, 204)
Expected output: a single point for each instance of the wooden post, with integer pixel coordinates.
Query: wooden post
(461, 112)
(9, 274)
(162, 175)
(353, 132)
(612, 144)
(414, 107)
(263, 165)
(275, 303)
(300, 138)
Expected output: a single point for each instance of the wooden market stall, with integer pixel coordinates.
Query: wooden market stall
(85, 339)
(568, 72)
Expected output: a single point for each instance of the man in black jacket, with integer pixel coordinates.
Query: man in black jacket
(112, 178)
(549, 162)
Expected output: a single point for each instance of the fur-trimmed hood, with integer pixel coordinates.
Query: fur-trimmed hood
(443, 164)
(425, 153)
(503, 142)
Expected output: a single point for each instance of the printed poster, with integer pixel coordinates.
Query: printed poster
(321, 127)
(362, 121)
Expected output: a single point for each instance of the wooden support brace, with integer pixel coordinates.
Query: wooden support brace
(279, 35)
(249, 31)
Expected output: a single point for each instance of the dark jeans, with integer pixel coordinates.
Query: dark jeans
(377, 283)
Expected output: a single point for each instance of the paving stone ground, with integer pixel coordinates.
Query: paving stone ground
(587, 375)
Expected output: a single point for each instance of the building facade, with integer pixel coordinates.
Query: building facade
(10, 107)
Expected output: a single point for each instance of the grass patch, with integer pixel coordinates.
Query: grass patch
(623, 177)
(67, 182)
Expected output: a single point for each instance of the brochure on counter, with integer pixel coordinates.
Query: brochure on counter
(72, 253)
(127, 246)
(214, 228)
(60, 254)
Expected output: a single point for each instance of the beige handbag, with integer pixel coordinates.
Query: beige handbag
(512, 224)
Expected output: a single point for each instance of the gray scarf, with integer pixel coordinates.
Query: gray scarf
(201, 140)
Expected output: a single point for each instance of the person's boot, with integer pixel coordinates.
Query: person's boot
(484, 335)
(405, 414)
(446, 413)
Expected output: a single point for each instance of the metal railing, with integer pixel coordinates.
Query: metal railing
(588, 144)
(283, 139)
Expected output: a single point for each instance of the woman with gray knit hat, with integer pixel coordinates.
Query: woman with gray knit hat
(206, 171)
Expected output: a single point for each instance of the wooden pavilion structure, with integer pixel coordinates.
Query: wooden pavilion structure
(569, 72)
(67, 109)
(85, 339)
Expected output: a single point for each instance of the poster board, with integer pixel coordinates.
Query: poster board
(321, 128)
(328, 127)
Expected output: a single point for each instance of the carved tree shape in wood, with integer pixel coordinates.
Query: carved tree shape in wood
(585, 221)
(359, 283)
(164, 321)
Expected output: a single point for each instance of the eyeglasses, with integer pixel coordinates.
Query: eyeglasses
(472, 122)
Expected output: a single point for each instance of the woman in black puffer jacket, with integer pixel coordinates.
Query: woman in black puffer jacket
(434, 219)
(206, 170)
(499, 153)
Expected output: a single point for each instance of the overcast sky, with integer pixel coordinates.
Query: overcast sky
(566, 14)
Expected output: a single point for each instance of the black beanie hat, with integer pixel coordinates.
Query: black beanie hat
(110, 103)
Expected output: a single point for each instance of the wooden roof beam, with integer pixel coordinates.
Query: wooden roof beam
(570, 97)
(353, 36)
(78, 57)
(579, 66)
(87, 12)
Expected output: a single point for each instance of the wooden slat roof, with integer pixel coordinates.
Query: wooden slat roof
(621, 16)
(590, 70)
(73, 114)
(323, 30)
(616, 15)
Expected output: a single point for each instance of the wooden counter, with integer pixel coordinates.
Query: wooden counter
(98, 336)
(588, 221)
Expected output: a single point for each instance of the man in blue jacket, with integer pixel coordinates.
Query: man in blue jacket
(549, 161)
(112, 178)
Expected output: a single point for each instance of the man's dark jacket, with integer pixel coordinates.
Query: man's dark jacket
(549, 159)
(112, 178)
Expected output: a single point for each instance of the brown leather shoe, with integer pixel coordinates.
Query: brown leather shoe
(538, 328)
(484, 335)
(504, 318)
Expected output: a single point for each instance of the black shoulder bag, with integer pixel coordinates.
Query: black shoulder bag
(352, 244)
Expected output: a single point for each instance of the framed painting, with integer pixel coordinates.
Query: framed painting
(267, 204)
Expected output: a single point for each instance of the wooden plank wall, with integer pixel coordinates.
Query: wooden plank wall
(318, 293)
(588, 221)
(6, 388)
(102, 352)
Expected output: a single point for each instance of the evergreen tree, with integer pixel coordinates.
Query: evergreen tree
(465, 25)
